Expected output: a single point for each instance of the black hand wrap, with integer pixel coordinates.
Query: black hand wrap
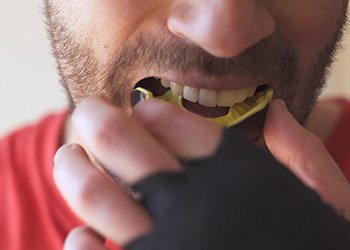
(240, 198)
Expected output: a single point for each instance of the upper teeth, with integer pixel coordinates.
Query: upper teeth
(209, 97)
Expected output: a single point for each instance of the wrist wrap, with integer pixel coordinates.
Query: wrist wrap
(240, 198)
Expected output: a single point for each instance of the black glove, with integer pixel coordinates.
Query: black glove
(241, 198)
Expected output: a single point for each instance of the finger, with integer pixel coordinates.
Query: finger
(185, 134)
(119, 142)
(306, 156)
(97, 200)
(83, 238)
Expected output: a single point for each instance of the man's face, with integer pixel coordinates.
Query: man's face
(106, 47)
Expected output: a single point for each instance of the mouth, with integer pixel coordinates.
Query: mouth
(224, 107)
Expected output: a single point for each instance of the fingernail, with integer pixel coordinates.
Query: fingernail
(280, 103)
(62, 151)
(58, 156)
(278, 108)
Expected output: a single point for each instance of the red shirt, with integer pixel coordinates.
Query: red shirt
(338, 143)
(33, 214)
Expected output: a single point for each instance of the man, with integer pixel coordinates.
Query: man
(215, 54)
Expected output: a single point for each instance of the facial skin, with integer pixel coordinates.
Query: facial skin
(106, 47)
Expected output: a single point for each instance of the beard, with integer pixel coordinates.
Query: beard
(83, 74)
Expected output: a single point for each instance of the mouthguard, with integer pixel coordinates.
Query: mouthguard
(236, 114)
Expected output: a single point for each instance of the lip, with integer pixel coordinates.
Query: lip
(196, 80)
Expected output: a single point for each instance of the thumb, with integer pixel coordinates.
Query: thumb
(306, 156)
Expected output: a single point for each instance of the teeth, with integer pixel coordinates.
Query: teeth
(208, 97)
(242, 94)
(227, 98)
(191, 94)
(251, 91)
(176, 89)
(165, 83)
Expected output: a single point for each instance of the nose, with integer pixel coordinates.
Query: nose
(223, 28)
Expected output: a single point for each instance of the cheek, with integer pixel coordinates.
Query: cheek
(105, 24)
(308, 24)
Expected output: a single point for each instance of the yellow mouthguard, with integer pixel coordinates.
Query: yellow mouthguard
(237, 113)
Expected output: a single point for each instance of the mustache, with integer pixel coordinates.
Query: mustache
(271, 58)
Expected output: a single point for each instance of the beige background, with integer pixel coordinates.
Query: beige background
(339, 81)
(28, 79)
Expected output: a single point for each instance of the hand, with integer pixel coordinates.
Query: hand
(147, 144)
(306, 156)
(149, 141)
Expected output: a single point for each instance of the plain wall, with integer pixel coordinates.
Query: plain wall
(29, 85)
(339, 80)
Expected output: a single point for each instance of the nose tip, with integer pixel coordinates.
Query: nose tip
(223, 28)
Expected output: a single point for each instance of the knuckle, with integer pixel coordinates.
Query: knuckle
(88, 193)
(152, 110)
(109, 131)
(156, 119)
(102, 135)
